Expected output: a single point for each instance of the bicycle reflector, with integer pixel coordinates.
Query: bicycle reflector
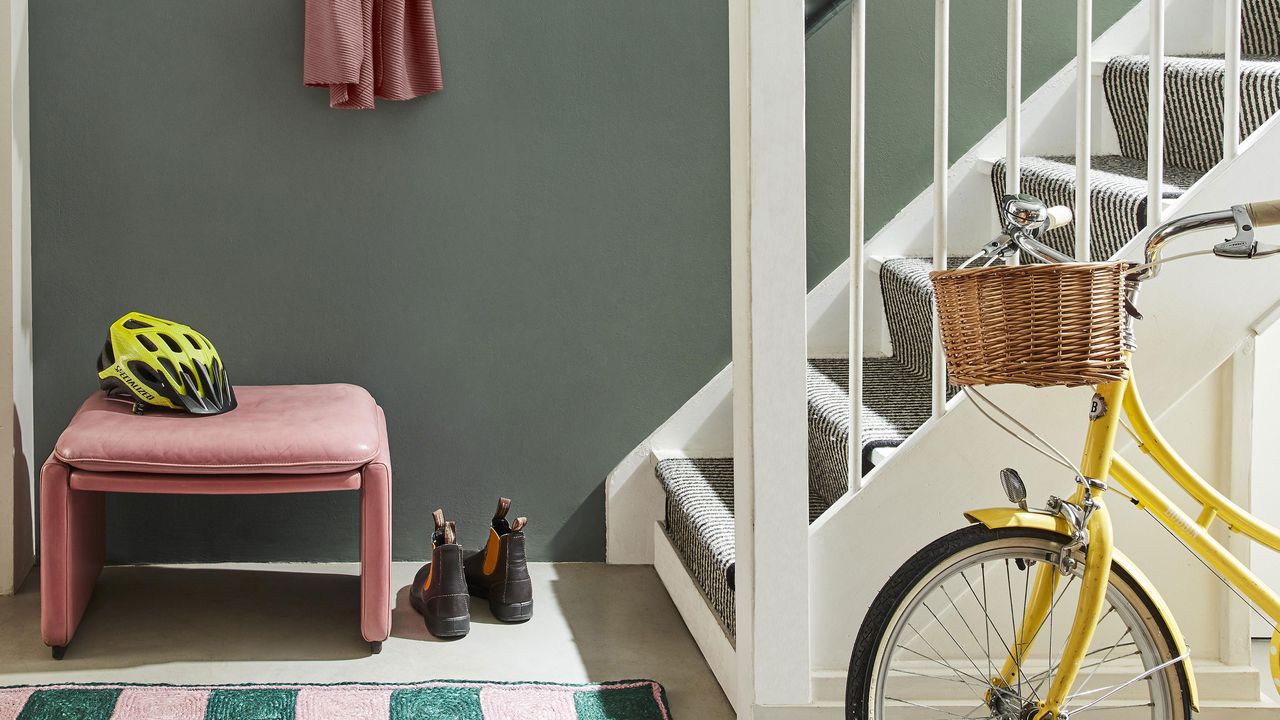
(1014, 488)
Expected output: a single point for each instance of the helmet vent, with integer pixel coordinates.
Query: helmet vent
(173, 344)
(146, 343)
(173, 371)
(145, 372)
(194, 342)
(135, 324)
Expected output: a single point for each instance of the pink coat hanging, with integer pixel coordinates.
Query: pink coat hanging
(362, 49)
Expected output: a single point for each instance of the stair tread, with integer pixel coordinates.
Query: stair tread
(1193, 103)
(699, 522)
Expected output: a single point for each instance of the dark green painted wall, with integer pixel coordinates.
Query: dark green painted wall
(528, 270)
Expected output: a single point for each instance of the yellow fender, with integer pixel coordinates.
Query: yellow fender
(1007, 517)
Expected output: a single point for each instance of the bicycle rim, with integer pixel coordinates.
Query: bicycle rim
(954, 629)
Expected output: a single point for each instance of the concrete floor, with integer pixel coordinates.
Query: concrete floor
(299, 623)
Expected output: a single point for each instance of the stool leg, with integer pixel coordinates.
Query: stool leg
(72, 552)
(375, 554)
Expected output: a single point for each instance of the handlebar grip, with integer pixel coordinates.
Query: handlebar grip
(1060, 215)
(1264, 213)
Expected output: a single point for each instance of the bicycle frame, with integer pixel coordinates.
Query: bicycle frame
(1099, 461)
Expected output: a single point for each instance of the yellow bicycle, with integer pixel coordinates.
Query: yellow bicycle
(1034, 613)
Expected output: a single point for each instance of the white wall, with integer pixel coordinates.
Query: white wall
(1266, 459)
(17, 543)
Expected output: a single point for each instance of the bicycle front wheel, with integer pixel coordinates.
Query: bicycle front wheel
(936, 641)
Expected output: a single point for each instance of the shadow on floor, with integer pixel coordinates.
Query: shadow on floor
(149, 615)
(408, 624)
(606, 634)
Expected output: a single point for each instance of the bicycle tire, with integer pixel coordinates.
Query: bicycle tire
(950, 551)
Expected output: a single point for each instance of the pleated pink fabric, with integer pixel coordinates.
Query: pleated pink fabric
(366, 49)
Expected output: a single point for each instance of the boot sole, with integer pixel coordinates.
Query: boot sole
(512, 612)
(506, 612)
(446, 628)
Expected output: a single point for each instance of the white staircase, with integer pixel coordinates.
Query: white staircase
(718, 498)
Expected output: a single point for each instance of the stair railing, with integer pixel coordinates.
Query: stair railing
(1013, 123)
(768, 307)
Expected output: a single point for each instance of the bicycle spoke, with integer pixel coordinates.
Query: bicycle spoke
(986, 615)
(972, 634)
(935, 709)
(935, 677)
(1114, 645)
(980, 683)
(1117, 688)
(990, 623)
(1100, 708)
(953, 637)
(1013, 624)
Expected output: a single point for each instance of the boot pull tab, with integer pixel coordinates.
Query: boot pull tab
(504, 505)
(519, 524)
(450, 533)
(438, 516)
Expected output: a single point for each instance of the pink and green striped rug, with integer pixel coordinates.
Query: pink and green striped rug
(437, 700)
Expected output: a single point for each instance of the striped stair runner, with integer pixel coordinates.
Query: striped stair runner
(897, 394)
(897, 399)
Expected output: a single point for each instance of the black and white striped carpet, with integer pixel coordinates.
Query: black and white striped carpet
(1193, 134)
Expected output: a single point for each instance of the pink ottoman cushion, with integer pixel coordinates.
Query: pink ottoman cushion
(276, 429)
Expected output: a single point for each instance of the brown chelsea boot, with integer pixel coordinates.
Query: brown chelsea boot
(439, 591)
(500, 572)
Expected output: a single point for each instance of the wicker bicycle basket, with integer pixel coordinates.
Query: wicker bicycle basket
(1037, 325)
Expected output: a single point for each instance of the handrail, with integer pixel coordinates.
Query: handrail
(818, 12)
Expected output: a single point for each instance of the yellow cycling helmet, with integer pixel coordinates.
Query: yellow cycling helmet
(164, 364)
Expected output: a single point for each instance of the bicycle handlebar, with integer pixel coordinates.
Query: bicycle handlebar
(1264, 214)
(1242, 246)
(1025, 219)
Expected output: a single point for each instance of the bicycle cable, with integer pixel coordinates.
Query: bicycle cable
(1156, 263)
(1060, 459)
(1052, 452)
(1248, 603)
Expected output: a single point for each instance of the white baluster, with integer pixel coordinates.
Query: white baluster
(1084, 111)
(941, 114)
(1155, 118)
(1013, 95)
(857, 233)
(1231, 80)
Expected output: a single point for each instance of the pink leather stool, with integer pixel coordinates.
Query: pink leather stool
(280, 439)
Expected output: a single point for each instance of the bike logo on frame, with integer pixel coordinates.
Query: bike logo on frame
(1097, 408)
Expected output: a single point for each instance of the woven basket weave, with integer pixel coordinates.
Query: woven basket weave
(1037, 325)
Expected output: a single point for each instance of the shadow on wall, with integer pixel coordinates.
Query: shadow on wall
(23, 519)
(582, 526)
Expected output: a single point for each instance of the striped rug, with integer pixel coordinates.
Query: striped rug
(437, 700)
